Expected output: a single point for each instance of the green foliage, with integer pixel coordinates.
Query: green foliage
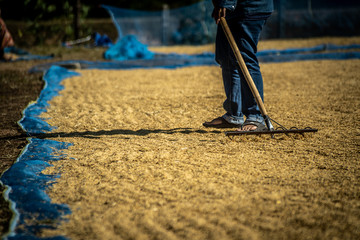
(44, 11)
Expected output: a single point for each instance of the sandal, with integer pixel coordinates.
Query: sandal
(220, 122)
(259, 126)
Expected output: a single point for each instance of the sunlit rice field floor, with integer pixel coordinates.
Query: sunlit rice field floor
(142, 166)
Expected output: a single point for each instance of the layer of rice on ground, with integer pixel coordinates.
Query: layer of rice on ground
(143, 167)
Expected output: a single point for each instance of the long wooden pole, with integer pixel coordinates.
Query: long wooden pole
(245, 72)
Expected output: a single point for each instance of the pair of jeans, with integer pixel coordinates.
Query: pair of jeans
(239, 101)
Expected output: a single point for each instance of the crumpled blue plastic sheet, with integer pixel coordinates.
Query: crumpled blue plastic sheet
(25, 183)
(102, 40)
(128, 48)
(25, 55)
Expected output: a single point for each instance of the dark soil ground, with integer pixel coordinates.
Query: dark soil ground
(17, 89)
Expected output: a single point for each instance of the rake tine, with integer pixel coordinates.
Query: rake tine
(273, 132)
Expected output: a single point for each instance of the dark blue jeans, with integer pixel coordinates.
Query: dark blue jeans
(239, 101)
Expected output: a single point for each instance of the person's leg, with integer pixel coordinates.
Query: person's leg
(232, 85)
(233, 102)
(239, 99)
(247, 33)
(231, 79)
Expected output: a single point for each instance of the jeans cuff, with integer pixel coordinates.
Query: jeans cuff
(232, 119)
(255, 118)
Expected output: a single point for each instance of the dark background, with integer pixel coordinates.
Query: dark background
(31, 9)
(50, 22)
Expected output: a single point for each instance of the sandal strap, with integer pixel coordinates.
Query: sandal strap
(258, 124)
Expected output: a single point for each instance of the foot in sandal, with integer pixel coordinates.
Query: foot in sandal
(252, 126)
(220, 122)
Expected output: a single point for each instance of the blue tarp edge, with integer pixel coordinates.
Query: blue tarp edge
(23, 55)
(24, 181)
(174, 60)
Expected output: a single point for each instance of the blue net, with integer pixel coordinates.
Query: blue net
(193, 24)
(313, 18)
(187, 25)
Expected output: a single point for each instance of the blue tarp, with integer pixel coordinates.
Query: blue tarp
(31, 122)
(320, 52)
(159, 61)
(26, 184)
(25, 55)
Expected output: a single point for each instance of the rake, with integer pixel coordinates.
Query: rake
(270, 128)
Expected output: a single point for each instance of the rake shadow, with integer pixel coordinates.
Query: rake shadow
(98, 134)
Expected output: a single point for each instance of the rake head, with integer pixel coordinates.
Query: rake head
(279, 130)
(272, 132)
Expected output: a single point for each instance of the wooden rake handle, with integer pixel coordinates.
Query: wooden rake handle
(243, 67)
